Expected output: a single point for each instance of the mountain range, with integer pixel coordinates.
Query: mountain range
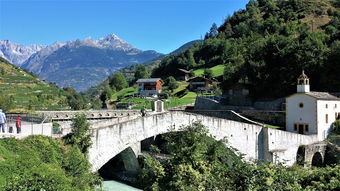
(16, 53)
(79, 64)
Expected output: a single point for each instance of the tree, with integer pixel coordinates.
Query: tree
(336, 127)
(141, 72)
(213, 32)
(198, 162)
(217, 90)
(96, 103)
(106, 94)
(80, 135)
(208, 73)
(171, 83)
(190, 59)
(118, 81)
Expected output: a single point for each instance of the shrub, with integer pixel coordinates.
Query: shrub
(336, 127)
(80, 135)
(43, 163)
(56, 128)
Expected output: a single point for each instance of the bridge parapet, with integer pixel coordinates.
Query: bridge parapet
(93, 114)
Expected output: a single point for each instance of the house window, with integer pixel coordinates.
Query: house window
(295, 127)
(326, 106)
(301, 105)
(336, 106)
(326, 118)
(306, 128)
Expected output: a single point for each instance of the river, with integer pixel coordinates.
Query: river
(112, 185)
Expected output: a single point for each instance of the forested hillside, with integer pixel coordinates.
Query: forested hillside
(267, 45)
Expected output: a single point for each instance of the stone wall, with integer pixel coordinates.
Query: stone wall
(254, 141)
(211, 104)
(224, 114)
(214, 108)
(275, 105)
(270, 117)
(203, 103)
(283, 145)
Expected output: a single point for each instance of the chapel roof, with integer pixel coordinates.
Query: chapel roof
(303, 75)
(322, 96)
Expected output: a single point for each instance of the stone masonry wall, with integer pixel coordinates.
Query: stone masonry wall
(254, 141)
(270, 117)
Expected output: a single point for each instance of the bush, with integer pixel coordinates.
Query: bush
(171, 83)
(43, 163)
(80, 135)
(56, 128)
(164, 95)
(336, 127)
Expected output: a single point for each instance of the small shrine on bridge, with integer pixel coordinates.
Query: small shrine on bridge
(157, 106)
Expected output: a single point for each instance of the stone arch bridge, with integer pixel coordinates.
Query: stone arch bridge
(111, 137)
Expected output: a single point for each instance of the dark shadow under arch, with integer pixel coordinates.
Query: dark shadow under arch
(300, 156)
(123, 166)
(317, 160)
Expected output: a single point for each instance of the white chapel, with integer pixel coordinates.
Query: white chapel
(309, 112)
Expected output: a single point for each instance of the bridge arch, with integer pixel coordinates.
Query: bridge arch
(317, 160)
(111, 139)
(300, 155)
(124, 165)
(313, 154)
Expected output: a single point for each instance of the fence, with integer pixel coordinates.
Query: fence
(31, 124)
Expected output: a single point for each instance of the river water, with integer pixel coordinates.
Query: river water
(112, 185)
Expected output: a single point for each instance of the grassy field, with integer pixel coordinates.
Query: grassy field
(27, 91)
(124, 92)
(216, 70)
(137, 103)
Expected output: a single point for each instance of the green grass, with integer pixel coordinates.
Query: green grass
(138, 103)
(181, 86)
(216, 70)
(199, 72)
(272, 126)
(124, 92)
(174, 101)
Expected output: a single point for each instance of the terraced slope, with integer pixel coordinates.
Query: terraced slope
(27, 92)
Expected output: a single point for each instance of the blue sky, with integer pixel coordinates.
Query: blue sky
(161, 25)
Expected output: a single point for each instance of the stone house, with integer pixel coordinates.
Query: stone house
(309, 112)
(149, 87)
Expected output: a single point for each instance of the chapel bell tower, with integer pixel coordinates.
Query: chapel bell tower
(303, 83)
